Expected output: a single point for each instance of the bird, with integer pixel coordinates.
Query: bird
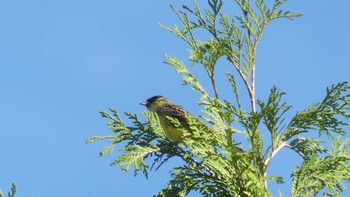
(164, 108)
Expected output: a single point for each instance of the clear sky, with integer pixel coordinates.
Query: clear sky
(63, 61)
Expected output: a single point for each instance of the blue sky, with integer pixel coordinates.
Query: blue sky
(63, 61)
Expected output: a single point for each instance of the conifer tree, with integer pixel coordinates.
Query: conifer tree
(215, 163)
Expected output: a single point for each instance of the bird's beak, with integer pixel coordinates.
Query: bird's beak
(144, 103)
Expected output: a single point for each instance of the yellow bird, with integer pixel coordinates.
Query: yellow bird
(164, 108)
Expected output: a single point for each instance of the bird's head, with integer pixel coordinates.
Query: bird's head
(154, 102)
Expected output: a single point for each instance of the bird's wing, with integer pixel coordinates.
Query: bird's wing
(177, 112)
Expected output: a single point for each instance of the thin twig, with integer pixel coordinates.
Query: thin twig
(212, 80)
(181, 153)
(246, 82)
(252, 85)
(268, 160)
(212, 174)
(274, 152)
(214, 86)
(252, 98)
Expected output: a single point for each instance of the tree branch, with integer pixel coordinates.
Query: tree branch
(274, 152)
(246, 82)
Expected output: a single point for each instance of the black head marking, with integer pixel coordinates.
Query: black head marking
(154, 98)
(149, 101)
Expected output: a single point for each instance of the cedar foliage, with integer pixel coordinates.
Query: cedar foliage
(214, 163)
